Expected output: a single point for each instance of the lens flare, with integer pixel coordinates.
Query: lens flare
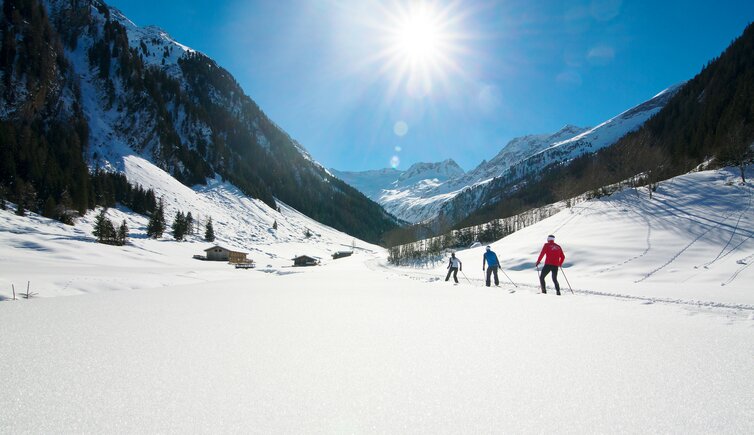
(400, 128)
(394, 162)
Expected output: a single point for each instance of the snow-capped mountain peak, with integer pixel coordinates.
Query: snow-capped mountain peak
(441, 171)
(425, 189)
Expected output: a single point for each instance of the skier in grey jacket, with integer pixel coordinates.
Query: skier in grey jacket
(454, 265)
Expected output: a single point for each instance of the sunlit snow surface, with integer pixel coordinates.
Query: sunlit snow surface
(651, 341)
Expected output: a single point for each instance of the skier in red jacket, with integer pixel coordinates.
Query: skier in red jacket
(554, 259)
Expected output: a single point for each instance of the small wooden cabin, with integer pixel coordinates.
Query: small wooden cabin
(305, 260)
(341, 254)
(219, 253)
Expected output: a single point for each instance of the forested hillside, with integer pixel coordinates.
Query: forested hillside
(82, 86)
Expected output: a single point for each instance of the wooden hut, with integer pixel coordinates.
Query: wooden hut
(305, 260)
(341, 254)
(219, 253)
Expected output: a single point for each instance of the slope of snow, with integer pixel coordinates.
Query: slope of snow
(693, 243)
(650, 342)
(63, 260)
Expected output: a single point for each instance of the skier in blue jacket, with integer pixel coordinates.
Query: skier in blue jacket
(492, 265)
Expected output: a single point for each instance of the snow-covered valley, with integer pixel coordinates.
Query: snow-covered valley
(651, 341)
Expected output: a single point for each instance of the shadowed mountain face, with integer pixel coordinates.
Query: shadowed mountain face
(82, 72)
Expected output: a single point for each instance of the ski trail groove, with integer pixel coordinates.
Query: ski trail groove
(696, 239)
(646, 250)
(720, 255)
(379, 266)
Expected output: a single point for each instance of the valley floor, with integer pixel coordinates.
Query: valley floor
(353, 346)
(658, 337)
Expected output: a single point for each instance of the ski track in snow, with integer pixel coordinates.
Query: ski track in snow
(642, 254)
(431, 277)
(722, 254)
(687, 216)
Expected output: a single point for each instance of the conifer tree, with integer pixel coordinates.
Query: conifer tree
(122, 233)
(104, 230)
(110, 236)
(156, 225)
(209, 233)
(275, 225)
(64, 211)
(189, 224)
(99, 226)
(179, 226)
(50, 208)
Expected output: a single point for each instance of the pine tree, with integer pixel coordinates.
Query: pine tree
(209, 233)
(179, 226)
(156, 225)
(189, 224)
(26, 197)
(104, 230)
(308, 233)
(64, 211)
(99, 226)
(122, 233)
(49, 208)
(275, 225)
(111, 235)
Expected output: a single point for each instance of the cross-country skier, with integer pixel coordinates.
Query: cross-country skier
(493, 265)
(554, 259)
(454, 265)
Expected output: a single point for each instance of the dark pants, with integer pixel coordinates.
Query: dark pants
(545, 270)
(490, 271)
(454, 271)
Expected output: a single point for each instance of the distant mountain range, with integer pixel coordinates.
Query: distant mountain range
(427, 190)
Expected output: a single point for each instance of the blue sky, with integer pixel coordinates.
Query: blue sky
(333, 74)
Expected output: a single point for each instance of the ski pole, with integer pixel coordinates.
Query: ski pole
(467, 278)
(509, 278)
(564, 276)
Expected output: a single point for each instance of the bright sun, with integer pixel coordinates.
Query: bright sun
(420, 46)
(418, 35)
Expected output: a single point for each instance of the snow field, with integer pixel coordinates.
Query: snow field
(356, 345)
(63, 260)
(692, 243)
(351, 348)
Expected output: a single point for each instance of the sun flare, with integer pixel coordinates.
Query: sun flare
(421, 40)
(418, 35)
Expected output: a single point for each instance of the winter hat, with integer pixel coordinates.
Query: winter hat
(488, 248)
(550, 238)
(453, 254)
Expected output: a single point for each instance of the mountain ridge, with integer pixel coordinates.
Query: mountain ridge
(451, 200)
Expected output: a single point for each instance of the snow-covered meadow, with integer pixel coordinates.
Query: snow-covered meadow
(651, 341)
